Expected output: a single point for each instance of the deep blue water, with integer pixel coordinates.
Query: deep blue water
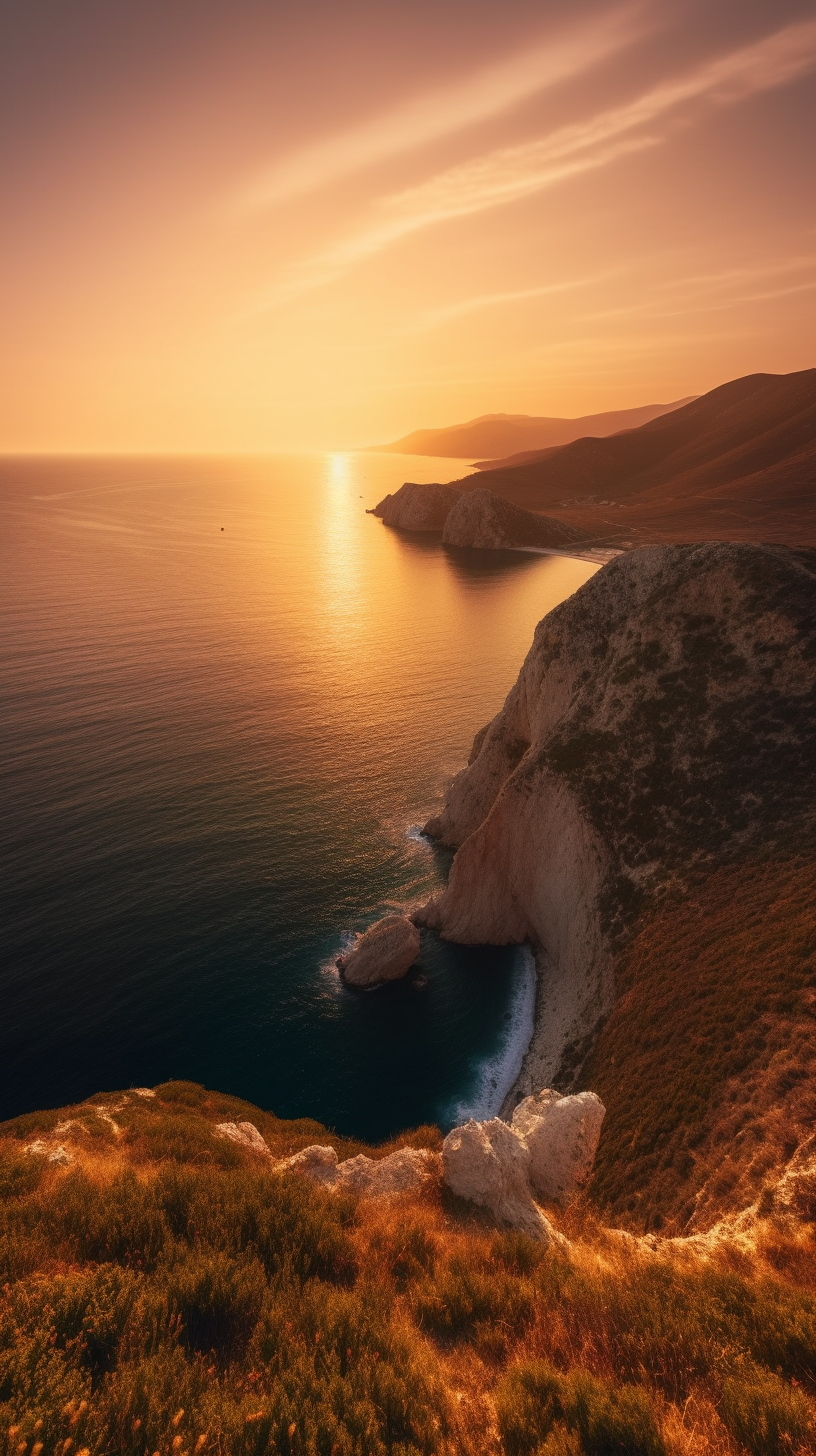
(215, 749)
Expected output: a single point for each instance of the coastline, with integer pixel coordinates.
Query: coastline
(599, 555)
(562, 1032)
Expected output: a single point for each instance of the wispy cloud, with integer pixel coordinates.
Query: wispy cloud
(487, 93)
(511, 172)
(434, 318)
(508, 174)
(695, 289)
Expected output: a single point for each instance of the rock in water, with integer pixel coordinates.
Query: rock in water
(417, 507)
(481, 519)
(561, 1134)
(488, 1163)
(383, 953)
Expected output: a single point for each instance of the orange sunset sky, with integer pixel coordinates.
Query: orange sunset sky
(266, 226)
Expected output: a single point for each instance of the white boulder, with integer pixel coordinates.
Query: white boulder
(383, 953)
(245, 1134)
(561, 1135)
(404, 1171)
(317, 1162)
(488, 1163)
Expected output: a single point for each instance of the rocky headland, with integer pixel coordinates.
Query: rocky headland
(477, 519)
(417, 507)
(482, 520)
(662, 730)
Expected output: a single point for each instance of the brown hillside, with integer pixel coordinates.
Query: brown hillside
(737, 463)
(707, 1064)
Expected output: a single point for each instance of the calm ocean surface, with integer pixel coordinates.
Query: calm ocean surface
(215, 750)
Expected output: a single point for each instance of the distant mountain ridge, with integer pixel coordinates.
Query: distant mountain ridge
(495, 435)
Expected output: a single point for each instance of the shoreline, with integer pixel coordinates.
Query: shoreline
(599, 555)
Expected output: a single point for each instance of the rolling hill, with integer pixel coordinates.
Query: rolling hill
(737, 463)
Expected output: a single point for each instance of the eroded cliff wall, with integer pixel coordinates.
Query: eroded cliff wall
(664, 720)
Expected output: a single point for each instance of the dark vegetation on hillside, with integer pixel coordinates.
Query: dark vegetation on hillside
(190, 1300)
(707, 1064)
(704, 747)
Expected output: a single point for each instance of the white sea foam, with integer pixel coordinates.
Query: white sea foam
(329, 966)
(496, 1074)
(418, 836)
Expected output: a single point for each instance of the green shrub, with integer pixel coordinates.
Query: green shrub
(146, 1404)
(612, 1420)
(38, 1382)
(180, 1137)
(765, 1414)
(534, 1403)
(411, 1253)
(22, 1250)
(348, 1377)
(517, 1251)
(20, 1173)
(120, 1223)
(529, 1401)
(284, 1222)
(217, 1299)
(468, 1294)
(85, 1312)
(184, 1094)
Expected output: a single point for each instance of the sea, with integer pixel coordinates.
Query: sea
(229, 699)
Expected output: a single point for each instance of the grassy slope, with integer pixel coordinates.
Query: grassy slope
(168, 1293)
(707, 1063)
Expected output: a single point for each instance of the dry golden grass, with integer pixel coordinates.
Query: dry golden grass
(278, 1318)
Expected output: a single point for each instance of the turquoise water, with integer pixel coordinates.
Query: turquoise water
(216, 749)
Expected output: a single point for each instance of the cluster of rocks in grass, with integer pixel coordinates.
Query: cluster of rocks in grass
(404, 1171)
(545, 1155)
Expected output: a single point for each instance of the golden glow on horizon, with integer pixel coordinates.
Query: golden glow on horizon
(609, 211)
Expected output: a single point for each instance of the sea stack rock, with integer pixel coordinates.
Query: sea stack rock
(417, 507)
(483, 520)
(562, 1135)
(383, 953)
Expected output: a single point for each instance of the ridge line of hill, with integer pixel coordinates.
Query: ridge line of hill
(496, 434)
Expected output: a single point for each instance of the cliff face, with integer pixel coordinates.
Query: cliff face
(481, 519)
(417, 507)
(663, 721)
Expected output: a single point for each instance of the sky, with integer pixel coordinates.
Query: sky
(260, 225)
